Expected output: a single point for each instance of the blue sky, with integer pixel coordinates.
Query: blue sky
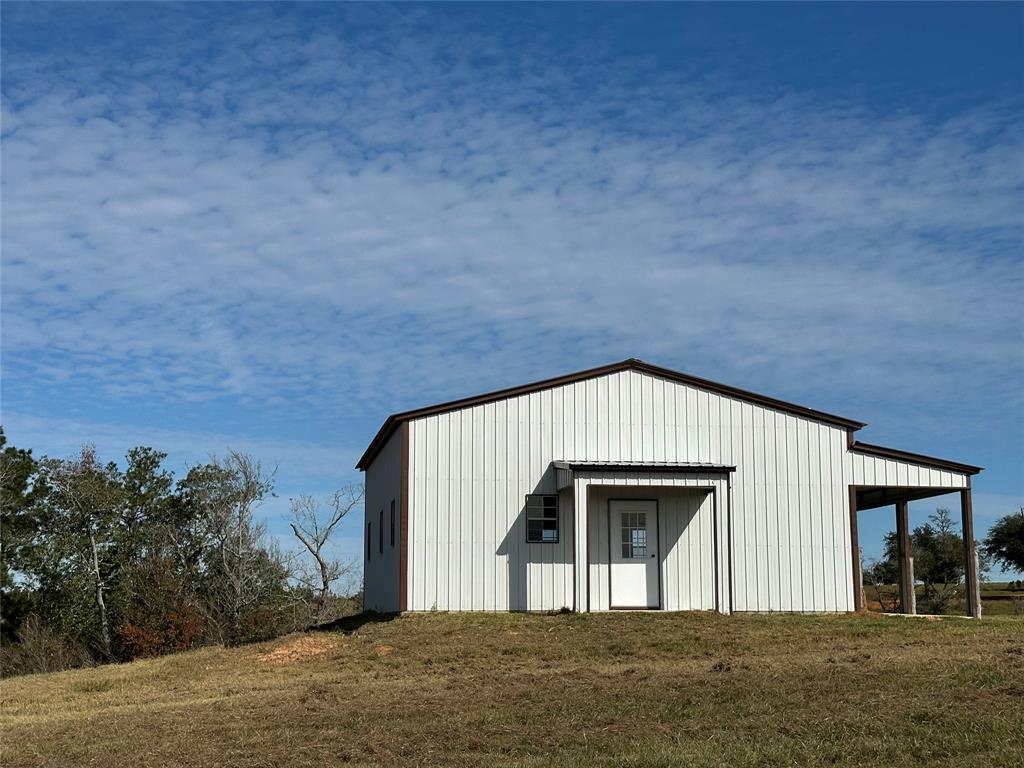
(266, 227)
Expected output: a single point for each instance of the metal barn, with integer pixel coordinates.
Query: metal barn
(633, 486)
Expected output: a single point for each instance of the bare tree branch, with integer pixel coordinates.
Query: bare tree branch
(313, 528)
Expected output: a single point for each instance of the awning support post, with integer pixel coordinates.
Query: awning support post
(858, 578)
(908, 601)
(972, 593)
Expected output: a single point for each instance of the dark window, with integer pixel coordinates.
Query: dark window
(369, 538)
(542, 518)
(392, 523)
(380, 533)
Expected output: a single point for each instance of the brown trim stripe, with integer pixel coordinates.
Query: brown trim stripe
(649, 467)
(403, 564)
(392, 422)
(858, 579)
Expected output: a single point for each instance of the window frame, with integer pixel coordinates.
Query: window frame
(544, 517)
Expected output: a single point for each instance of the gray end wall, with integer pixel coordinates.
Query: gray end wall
(381, 569)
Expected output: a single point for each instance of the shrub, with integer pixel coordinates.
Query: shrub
(181, 629)
(40, 649)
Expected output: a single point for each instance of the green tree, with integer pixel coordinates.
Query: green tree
(127, 562)
(102, 544)
(938, 561)
(1005, 542)
(76, 546)
(17, 523)
(158, 548)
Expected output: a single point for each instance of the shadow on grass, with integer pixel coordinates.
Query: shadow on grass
(349, 624)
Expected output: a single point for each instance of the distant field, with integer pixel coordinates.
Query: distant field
(997, 599)
(627, 689)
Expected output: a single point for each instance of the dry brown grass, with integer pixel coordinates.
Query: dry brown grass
(619, 689)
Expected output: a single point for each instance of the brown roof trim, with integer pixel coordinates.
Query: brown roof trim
(392, 421)
(914, 458)
(640, 466)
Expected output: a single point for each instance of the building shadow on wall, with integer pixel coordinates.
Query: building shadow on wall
(524, 560)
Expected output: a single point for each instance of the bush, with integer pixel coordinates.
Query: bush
(40, 649)
(140, 641)
(181, 629)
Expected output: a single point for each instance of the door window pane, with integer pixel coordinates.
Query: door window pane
(634, 535)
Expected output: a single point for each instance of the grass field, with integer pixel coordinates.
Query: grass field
(628, 689)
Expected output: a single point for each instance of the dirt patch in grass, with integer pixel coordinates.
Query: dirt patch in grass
(298, 649)
(524, 690)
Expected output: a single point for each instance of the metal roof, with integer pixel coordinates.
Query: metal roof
(646, 466)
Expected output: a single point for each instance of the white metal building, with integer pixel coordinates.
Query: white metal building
(631, 486)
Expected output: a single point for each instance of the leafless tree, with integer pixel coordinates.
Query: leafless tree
(881, 578)
(243, 567)
(313, 526)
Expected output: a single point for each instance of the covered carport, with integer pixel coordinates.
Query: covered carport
(885, 477)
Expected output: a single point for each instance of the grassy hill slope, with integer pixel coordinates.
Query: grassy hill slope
(615, 689)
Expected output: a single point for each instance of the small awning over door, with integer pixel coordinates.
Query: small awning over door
(564, 470)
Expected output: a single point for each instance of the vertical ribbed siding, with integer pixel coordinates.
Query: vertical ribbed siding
(471, 470)
(879, 470)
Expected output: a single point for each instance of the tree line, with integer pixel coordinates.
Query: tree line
(107, 562)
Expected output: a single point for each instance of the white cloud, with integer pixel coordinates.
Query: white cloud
(332, 224)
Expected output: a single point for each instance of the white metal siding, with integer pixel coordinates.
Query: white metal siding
(879, 470)
(470, 473)
(471, 469)
(383, 485)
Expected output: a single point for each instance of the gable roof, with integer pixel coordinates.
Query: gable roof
(632, 364)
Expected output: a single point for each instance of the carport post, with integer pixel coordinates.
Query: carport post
(858, 578)
(971, 592)
(908, 600)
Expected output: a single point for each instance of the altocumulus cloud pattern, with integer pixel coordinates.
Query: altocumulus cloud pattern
(271, 225)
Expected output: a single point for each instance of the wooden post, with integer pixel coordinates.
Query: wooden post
(971, 585)
(907, 601)
(977, 585)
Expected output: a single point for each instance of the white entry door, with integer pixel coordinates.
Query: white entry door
(634, 561)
